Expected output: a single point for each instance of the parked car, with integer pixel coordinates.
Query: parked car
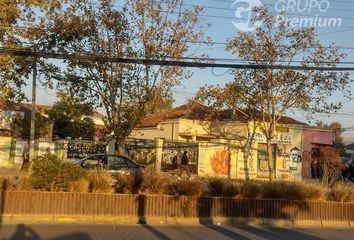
(112, 163)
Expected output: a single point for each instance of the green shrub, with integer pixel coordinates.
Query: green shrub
(222, 187)
(51, 174)
(129, 183)
(100, 181)
(185, 187)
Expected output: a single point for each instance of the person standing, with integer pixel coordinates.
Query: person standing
(25, 155)
(185, 165)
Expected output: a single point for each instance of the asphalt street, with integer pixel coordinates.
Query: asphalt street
(166, 232)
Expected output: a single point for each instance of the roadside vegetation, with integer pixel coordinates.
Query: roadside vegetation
(49, 174)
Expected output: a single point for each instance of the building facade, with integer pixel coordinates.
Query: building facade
(232, 146)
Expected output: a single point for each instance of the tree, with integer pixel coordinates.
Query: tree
(71, 118)
(152, 29)
(14, 70)
(328, 165)
(267, 94)
(337, 129)
(41, 128)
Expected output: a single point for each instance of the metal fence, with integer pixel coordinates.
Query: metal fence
(43, 203)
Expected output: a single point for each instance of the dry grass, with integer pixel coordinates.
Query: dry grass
(8, 184)
(100, 181)
(24, 184)
(250, 189)
(81, 186)
(128, 183)
(153, 183)
(293, 191)
(185, 187)
(341, 192)
(222, 187)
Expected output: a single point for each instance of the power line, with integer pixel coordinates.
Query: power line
(287, 14)
(300, 6)
(141, 61)
(207, 42)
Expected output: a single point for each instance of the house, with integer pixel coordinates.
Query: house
(11, 112)
(232, 145)
(349, 149)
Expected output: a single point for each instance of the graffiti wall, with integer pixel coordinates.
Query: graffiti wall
(246, 163)
(214, 159)
(79, 149)
(173, 151)
(289, 158)
(5, 147)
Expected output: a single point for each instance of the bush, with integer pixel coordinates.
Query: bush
(312, 191)
(341, 192)
(250, 189)
(100, 181)
(24, 184)
(292, 191)
(129, 183)
(80, 186)
(51, 174)
(185, 187)
(7, 184)
(153, 183)
(222, 188)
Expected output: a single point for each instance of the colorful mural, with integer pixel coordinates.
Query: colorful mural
(220, 162)
(214, 159)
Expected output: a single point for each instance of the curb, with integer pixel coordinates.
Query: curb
(77, 219)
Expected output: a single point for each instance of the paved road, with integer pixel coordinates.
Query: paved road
(147, 232)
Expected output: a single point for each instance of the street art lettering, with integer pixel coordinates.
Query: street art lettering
(279, 138)
(168, 155)
(83, 149)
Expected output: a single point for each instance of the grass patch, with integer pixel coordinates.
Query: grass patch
(100, 181)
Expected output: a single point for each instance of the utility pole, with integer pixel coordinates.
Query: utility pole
(33, 110)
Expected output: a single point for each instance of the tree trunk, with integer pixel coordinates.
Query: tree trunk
(120, 148)
(270, 160)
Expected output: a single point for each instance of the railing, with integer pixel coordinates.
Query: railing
(50, 203)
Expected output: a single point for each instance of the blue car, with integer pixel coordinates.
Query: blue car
(112, 163)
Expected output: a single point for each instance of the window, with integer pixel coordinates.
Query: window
(94, 162)
(116, 163)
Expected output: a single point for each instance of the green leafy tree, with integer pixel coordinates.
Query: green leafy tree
(42, 127)
(71, 118)
(267, 94)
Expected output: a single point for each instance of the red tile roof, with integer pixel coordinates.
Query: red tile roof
(26, 107)
(201, 112)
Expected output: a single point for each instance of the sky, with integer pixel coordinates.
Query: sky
(221, 15)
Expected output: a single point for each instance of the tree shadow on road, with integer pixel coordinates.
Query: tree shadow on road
(142, 219)
(24, 232)
(278, 233)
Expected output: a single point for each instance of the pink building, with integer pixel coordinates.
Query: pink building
(314, 138)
